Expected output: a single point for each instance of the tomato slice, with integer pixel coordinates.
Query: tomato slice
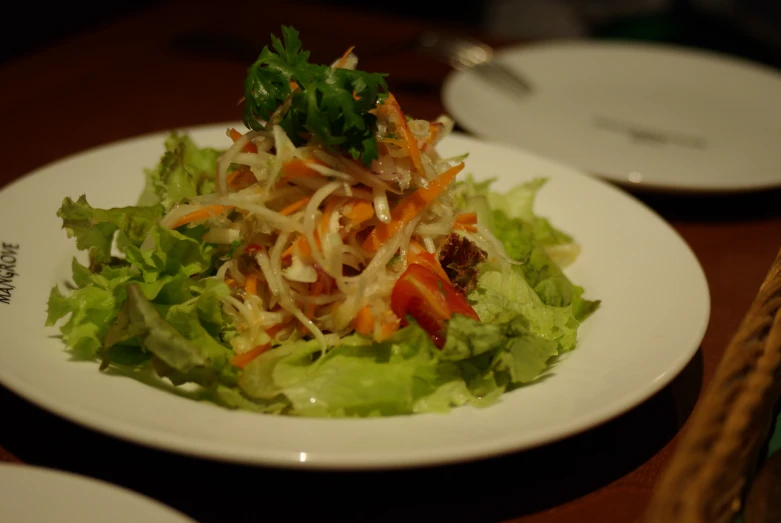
(430, 299)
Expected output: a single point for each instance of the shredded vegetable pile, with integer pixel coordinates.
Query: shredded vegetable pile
(328, 261)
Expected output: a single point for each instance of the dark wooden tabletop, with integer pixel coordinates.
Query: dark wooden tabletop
(181, 65)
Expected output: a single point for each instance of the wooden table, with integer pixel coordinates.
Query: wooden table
(156, 71)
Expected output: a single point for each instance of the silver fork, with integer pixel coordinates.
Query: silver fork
(465, 53)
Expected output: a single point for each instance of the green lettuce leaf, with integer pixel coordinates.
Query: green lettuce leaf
(499, 298)
(512, 346)
(529, 239)
(516, 205)
(356, 378)
(90, 310)
(540, 271)
(542, 274)
(184, 171)
(181, 348)
(94, 229)
(581, 307)
(399, 376)
(172, 275)
(450, 393)
(518, 202)
(233, 398)
(173, 253)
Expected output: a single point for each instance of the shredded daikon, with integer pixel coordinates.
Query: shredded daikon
(227, 158)
(428, 243)
(259, 160)
(381, 206)
(222, 235)
(285, 152)
(310, 219)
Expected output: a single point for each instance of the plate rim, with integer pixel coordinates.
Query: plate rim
(210, 450)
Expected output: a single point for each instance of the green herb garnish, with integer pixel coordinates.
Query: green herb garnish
(332, 104)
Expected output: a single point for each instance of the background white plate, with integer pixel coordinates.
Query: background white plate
(649, 116)
(37, 495)
(654, 314)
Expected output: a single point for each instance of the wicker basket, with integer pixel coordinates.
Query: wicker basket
(717, 455)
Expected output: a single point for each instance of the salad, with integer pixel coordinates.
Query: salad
(327, 261)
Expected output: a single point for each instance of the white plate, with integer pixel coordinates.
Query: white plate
(39, 495)
(654, 314)
(646, 116)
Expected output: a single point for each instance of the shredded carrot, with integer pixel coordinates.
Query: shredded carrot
(310, 311)
(299, 244)
(379, 328)
(273, 331)
(249, 148)
(468, 218)
(387, 329)
(319, 286)
(395, 115)
(302, 245)
(358, 211)
(343, 59)
(289, 251)
(305, 249)
(241, 178)
(464, 227)
(293, 207)
(299, 169)
(364, 321)
(231, 282)
(243, 359)
(251, 284)
(317, 289)
(207, 212)
(433, 132)
(409, 207)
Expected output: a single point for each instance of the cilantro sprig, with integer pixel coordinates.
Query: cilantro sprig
(332, 104)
